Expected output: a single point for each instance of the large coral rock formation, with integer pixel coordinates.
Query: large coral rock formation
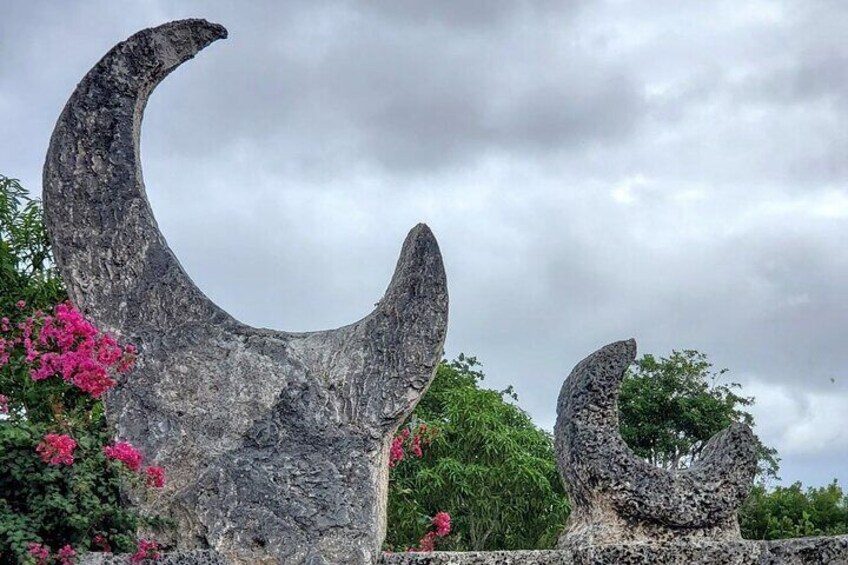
(276, 444)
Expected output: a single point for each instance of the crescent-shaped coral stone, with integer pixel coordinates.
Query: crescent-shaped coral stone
(599, 469)
(275, 443)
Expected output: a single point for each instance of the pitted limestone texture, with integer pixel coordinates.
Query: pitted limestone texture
(801, 551)
(190, 558)
(275, 443)
(618, 497)
(480, 558)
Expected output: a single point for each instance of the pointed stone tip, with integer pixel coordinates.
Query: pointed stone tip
(202, 33)
(215, 31)
(204, 30)
(421, 231)
(419, 272)
(211, 28)
(420, 247)
(624, 347)
(742, 429)
(420, 254)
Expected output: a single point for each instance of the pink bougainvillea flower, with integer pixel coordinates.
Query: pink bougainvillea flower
(21, 304)
(67, 555)
(396, 452)
(4, 404)
(428, 542)
(416, 447)
(68, 345)
(442, 521)
(125, 453)
(155, 477)
(127, 359)
(40, 552)
(101, 542)
(147, 549)
(57, 449)
(92, 377)
(409, 440)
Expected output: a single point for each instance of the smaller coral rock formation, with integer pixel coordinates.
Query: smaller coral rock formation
(618, 497)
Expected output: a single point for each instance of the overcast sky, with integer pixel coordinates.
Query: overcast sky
(673, 171)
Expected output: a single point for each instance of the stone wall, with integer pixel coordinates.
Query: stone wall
(803, 551)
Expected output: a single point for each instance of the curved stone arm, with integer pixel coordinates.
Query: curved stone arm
(618, 496)
(115, 262)
(408, 324)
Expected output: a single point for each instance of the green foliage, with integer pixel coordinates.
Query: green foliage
(787, 512)
(671, 407)
(488, 466)
(26, 271)
(59, 504)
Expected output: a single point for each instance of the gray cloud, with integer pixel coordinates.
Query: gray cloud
(671, 171)
(409, 98)
(470, 15)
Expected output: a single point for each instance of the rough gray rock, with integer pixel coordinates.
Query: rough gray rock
(800, 551)
(480, 558)
(618, 497)
(198, 557)
(276, 444)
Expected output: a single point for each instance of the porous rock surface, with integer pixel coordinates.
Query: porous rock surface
(618, 497)
(801, 551)
(275, 444)
(199, 557)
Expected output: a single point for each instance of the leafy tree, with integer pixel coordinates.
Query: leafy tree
(786, 512)
(670, 407)
(26, 269)
(487, 465)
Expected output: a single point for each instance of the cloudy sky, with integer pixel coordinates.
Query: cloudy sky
(673, 171)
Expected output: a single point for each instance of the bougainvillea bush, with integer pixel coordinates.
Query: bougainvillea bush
(407, 445)
(59, 468)
(59, 492)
